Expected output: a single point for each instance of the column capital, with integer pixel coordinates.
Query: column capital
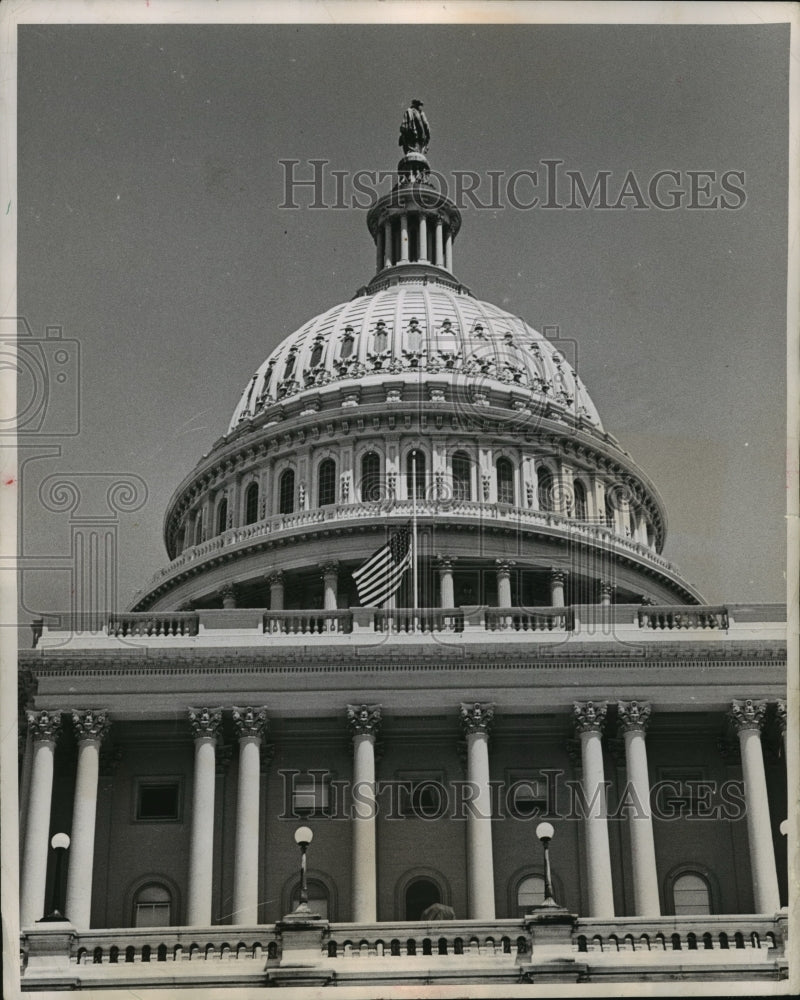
(364, 720)
(90, 725)
(589, 716)
(476, 717)
(275, 579)
(780, 716)
(558, 575)
(504, 566)
(45, 725)
(607, 587)
(205, 722)
(330, 568)
(250, 723)
(444, 563)
(633, 716)
(747, 714)
(228, 592)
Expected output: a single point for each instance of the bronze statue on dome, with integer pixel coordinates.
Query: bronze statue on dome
(415, 135)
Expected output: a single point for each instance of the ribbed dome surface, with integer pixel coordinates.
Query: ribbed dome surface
(415, 327)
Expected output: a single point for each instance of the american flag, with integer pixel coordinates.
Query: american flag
(381, 575)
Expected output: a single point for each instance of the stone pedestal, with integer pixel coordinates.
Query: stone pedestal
(301, 938)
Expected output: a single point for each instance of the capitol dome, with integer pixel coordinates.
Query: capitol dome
(414, 399)
(413, 329)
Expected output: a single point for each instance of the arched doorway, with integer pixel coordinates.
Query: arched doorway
(420, 894)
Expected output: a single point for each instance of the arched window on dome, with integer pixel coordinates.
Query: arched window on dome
(251, 504)
(198, 527)
(370, 477)
(222, 515)
(286, 492)
(691, 893)
(544, 489)
(152, 906)
(420, 474)
(289, 366)
(326, 482)
(462, 476)
(632, 523)
(530, 893)
(348, 341)
(505, 480)
(580, 500)
(316, 353)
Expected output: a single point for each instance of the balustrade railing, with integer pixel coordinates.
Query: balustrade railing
(316, 622)
(154, 624)
(684, 617)
(419, 938)
(685, 933)
(393, 509)
(403, 620)
(529, 620)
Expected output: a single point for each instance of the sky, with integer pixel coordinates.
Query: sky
(150, 229)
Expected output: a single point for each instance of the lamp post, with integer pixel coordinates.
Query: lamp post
(303, 837)
(59, 843)
(545, 831)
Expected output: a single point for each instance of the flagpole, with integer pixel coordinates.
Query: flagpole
(414, 533)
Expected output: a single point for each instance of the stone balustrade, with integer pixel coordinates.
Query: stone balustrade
(472, 623)
(391, 510)
(542, 945)
(683, 617)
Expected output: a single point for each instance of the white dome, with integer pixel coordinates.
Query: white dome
(416, 326)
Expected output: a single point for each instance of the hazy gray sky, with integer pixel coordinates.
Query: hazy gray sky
(150, 229)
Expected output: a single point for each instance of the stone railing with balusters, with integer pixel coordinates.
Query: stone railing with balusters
(401, 510)
(164, 624)
(304, 622)
(405, 620)
(529, 620)
(543, 945)
(684, 617)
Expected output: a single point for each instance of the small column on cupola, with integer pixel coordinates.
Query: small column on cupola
(414, 226)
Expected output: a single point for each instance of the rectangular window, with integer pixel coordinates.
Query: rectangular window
(158, 800)
(152, 914)
(310, 793)
(421, 794)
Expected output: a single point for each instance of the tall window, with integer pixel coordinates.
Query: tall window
(505, 481)
(251, 504)
(462, 476)
(289, 368)
(222, 515)
(370, 477)
(420, 894)
(326, 482)
(420, 474)
(152, 906)
(530, 893)
(347, 343)
(286, 492)
(316, 353)
(381, 338)
(198, 527)
(580, 500)
(544, 488)
(690, 894)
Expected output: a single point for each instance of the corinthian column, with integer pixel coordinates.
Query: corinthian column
(90, 729)
(205, 723)
(250, 724)
(476, 719)
(589, 718)
(364, 722)
(45, 728)
(780, 714)
(633, 719)
(748, 719)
